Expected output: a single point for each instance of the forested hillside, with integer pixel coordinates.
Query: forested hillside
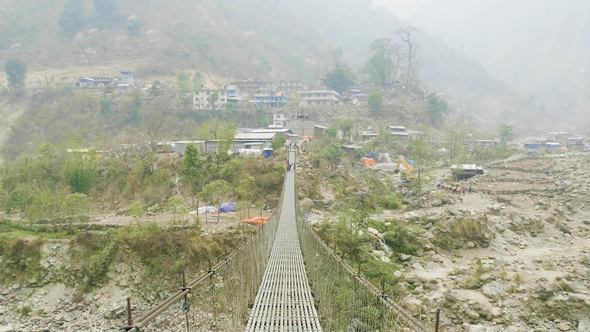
(211, 42)
(237, 39)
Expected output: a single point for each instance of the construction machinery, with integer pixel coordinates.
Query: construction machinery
(403, 167)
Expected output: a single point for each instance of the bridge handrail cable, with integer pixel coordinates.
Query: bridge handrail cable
(405, 318)
(266, 232)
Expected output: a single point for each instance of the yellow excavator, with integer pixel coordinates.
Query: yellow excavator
(403, 167)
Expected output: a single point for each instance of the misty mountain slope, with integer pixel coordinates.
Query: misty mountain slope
(236, 39)
(538, 48)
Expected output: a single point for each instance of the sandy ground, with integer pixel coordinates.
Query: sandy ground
(209, 222)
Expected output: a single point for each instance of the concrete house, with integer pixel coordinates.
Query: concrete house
(270, 98)
(486, 143)
(248, 86)
(290, 87)
(180, 146)
(126, 80)
(202, 99)
(312, 98)
(94, 82)
(319, 130)
(399, 132)
(279, 120)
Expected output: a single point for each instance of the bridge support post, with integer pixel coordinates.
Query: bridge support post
(185, 305)
(129, 325)
(437, 325)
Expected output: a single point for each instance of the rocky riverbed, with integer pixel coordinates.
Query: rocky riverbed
(529, 267)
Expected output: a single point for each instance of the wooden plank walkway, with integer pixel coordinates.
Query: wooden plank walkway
(284, 301)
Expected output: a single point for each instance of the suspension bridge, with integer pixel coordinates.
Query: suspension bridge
(284, 278)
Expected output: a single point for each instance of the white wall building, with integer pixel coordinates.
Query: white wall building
(318, 98)
(202, 99)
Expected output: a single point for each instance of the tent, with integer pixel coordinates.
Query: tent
(227, 207)
(207, 209)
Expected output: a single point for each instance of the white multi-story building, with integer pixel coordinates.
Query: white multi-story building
(318, 98)
(207, 99)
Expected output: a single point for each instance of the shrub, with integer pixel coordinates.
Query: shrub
(390, 202)
(467, 229)
(21, 261)
(163, 253)
(401, 241)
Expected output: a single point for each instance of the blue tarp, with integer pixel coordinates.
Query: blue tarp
(373, 155)
(227, 207)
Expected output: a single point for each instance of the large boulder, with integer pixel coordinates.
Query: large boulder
(494, 289)
(584, 325)
(413, 305)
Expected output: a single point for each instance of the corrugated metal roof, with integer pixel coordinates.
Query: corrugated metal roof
(255, 136)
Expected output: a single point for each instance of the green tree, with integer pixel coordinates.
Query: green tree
(346, 126)
(331, 133)
(155, 89)
(185, 83)
(77, 204)
(46, 204)
(332, 154)
(72, 18)
(347, 238)
(216, 191)
(375, 102)
(192, 171)
(422, 152)
(383, 62)
(226, 133)
(175, 204)
(247, 191)
(340, 79)
(438, 109)
(16, 73)
(456, 142)
(213, 98)
(80, 178)
(506, 133)
(278, 142)
(186, 89)
(135, 210)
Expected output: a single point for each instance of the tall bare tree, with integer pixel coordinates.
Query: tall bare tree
(405, 35)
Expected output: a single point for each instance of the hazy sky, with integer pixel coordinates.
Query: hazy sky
(540, 47)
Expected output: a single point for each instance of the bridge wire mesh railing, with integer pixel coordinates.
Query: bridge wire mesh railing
(221, 298)
(345, 300)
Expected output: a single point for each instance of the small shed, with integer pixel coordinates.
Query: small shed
(180, 146)
(319, 130)
(552, 146)
(466, 171)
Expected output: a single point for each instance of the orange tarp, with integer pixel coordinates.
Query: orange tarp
(256, 221)
(367, 162)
